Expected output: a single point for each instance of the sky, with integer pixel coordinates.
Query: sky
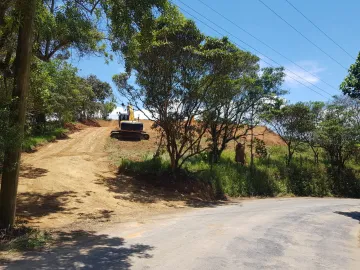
(338, 19)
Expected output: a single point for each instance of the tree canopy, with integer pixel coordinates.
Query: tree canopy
(351, 84)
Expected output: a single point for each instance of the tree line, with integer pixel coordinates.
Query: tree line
(196, 87)
(204, 92)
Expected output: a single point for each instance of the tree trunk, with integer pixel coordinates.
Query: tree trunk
(10, 175)
(252, 141)
(290, 154)
(252, 149)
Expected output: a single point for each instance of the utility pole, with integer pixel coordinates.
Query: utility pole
(10, 176)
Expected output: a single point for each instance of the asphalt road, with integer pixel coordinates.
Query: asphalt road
(300, 233)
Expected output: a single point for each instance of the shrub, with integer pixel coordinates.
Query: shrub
(260, 148)
(22, 238)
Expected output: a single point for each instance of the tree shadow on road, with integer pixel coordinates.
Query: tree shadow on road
(354, 215)
(98, 216)
(83, 250)
(138, 189)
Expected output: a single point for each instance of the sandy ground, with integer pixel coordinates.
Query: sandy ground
(72, 184)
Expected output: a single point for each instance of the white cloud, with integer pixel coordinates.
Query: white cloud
(295, 75)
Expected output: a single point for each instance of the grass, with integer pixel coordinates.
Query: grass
(32, 141)
(269, 177)
(22, 238)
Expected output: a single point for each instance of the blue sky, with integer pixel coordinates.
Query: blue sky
(338, 19)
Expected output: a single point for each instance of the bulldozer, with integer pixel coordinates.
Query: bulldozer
(129, 128)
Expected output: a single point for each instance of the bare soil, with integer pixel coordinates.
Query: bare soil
(73, 184)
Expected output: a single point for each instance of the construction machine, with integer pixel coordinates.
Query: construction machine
(129, 128)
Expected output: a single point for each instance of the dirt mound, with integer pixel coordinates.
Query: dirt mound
(74, 127)
(90, 123)
(267, 135)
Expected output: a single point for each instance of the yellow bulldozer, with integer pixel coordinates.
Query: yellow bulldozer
(129, 128)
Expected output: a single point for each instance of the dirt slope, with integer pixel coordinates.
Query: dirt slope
(67, 184)
(136, 150)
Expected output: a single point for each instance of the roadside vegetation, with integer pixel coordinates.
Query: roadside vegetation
(30, 143)
(269, 177)
(23, 238)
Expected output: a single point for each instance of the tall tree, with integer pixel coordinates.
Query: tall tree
(226, 100)
(10, 176)
(311, 135)
(261, 95)
(339, 132)
(172, 81)
(351, 84)
(290, 122)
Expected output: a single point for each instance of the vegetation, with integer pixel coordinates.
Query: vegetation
(23, 238)
(44, 34)
(351, 84)
(206, 93)
(203, 93)
(270, 176)
(29, 143)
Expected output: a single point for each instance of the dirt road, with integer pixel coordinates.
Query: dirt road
(70, 183)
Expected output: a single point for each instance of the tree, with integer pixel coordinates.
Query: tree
(107, 108)
(62, 24)
(10, 174)
(172, 78)
(351, 84)
(102, 90)
(261, 97)
(129, 18)
(339, 133)
(290, 122)
(226, 101)
(311, 135)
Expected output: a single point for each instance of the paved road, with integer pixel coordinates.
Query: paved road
(261, 234)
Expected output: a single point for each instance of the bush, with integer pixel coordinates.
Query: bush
(22, 238)
(260, 148)
(31, 142)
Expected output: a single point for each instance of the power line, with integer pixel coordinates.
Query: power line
(247, 50)
(262, 42)
(262, 2)
(310, 21)
(254, 50)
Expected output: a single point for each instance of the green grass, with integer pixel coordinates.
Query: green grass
(269, 177)
(31, 142)
(23, 238)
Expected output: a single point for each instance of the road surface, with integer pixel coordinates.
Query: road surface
(300, 233)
